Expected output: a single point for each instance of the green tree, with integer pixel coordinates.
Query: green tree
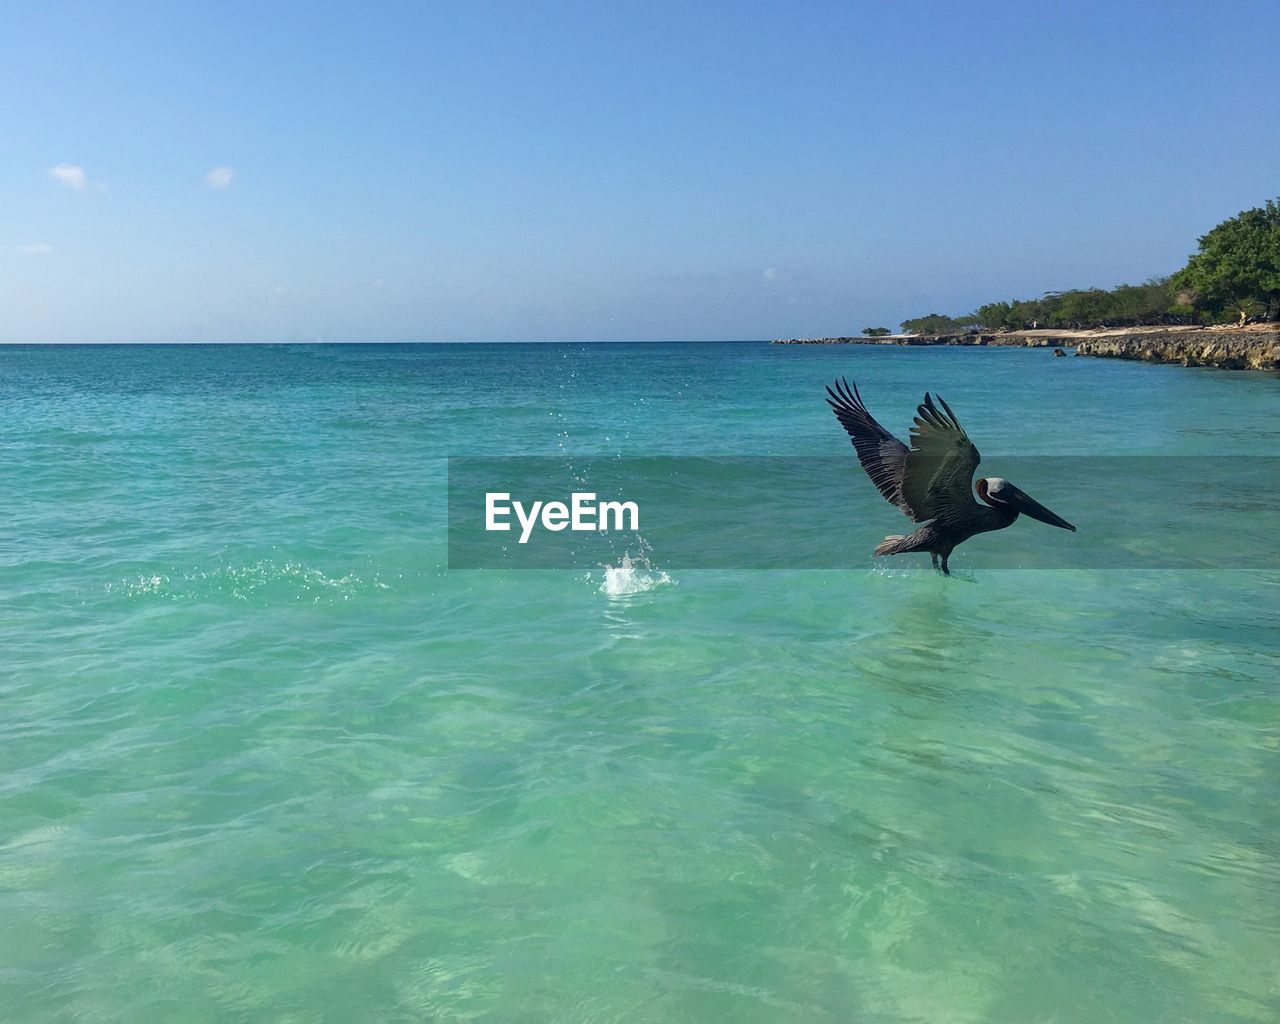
(1025, 312)
(1238, 266)
(1082, 307)
(1146, 303)
(934, 323)
(1234, 276)
(876, 332)
(994, 316)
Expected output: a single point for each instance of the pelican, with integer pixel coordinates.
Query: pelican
(932, 481)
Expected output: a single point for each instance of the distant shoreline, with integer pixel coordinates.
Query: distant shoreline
(1254, 347)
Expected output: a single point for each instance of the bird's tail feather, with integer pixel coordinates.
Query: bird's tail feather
(895, 544)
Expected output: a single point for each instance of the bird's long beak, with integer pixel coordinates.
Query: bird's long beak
(1028, 505)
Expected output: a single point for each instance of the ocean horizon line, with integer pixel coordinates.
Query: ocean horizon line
(546, 341)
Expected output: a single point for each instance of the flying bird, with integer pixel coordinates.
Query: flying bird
(932, 481)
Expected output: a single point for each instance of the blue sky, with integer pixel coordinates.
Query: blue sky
(613, 171)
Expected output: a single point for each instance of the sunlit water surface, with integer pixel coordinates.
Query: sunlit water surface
(264, 758)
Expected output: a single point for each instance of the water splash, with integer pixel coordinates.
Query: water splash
(632, 576)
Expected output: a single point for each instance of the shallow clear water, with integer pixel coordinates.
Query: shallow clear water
(264, 758)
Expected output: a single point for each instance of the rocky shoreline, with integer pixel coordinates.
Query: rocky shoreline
(1223, 348)
(1254, 350)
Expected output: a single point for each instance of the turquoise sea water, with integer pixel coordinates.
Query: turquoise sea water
(263, 757)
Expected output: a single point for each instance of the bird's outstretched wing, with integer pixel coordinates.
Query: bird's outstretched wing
(882, 455)
(938, 478)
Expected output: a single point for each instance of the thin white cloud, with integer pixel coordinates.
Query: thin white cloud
(74, 177)
(279, 289)
(769, 273)
(220, 178)
(34, 249)
(69, 175)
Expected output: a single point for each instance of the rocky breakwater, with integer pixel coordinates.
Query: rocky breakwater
(1224, 349)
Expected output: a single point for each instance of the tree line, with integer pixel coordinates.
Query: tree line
(1233, 277)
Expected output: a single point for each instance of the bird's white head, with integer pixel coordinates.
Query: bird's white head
(989, 488)
(999, 493)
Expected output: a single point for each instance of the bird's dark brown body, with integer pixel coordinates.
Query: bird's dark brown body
(932, 481)
(940, 538)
